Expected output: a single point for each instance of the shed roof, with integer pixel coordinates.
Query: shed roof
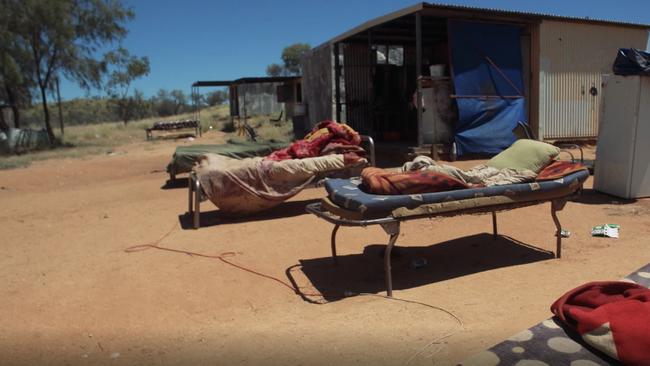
(246, 80)
(463, 10)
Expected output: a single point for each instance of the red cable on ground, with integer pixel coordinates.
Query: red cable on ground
(222, 257)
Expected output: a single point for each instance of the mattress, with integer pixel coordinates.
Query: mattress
(185, 157)
(348, 193)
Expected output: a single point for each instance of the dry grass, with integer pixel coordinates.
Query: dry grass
(84, 140)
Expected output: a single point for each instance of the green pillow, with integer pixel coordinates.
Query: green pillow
(525, 154)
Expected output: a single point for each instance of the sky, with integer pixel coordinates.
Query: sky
(194, 40)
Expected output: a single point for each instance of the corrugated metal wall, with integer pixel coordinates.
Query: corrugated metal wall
(260, 99)
(573, 56)
(317, 67)
(357, 73)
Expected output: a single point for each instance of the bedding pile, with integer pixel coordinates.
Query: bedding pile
(612, 316)
(424, 175)
(246, 186)
(327, 137)
(525, 161)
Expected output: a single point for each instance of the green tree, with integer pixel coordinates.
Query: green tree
(274, 70)
(179, 101)
(127, 69)
(63, 37)
(168, 103)
(291, 56)
(14, 87)
(217, 97)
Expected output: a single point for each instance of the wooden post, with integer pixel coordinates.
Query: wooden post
(418, 72)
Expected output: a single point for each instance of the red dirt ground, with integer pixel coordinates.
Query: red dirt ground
(69, 294)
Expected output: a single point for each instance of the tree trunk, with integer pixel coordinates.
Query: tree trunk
(58, 102)
(46, 113)
(14, 106)
(3, 124)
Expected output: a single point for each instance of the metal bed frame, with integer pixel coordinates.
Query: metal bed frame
(192, 125)
(391, 224)
(196, 195)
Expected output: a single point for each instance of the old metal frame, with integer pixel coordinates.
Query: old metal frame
(196, 195)
(391, 225)
(196, 128)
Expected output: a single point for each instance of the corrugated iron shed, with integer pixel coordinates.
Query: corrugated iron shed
(444, 10)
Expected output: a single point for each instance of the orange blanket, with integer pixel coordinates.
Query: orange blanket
(558, 169)
(380, 181)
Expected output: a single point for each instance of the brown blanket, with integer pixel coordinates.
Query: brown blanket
(380, 181)
(251, 185)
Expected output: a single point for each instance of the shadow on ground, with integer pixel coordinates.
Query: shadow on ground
(176, 183)
(593, 197)
(364, 272)
(217, 217)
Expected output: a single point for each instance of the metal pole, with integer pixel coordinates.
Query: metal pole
(418, 72)
(337, 80)
(555, 206)
(333, 242)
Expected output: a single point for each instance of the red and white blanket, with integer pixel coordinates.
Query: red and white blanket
(613, 317)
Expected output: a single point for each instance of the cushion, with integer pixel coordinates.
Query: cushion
(525, 154)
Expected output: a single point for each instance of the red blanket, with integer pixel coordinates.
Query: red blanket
(380, 181)
(325, 138)
(558, 169)
(613, 317)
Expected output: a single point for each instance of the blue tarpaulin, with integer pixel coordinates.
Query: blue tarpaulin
(487, 71)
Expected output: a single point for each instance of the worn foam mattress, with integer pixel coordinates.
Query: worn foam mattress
(349, 195)
(185, 157)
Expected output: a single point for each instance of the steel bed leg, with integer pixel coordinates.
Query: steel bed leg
(333, 240)
(495, 233)
(391, 229)
(557, 205)
(190, 189)
(197, 202)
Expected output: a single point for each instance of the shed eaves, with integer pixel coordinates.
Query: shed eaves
(474, 10)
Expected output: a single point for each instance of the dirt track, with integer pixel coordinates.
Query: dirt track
(69, 294)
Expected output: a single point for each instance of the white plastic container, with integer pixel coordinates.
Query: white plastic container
(437, 70)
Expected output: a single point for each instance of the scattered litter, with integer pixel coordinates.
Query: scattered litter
(607, 230)
(85, 355)
(419, 263)
(190, 138)
(115, 355)
(565, 233)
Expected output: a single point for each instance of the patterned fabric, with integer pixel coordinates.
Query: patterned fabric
(380, 181)
(548, 343)
(613, 317)
(558, 169)
(481, 175)
(244, 186)
(185, 157)
(347, 194)
(327, 135)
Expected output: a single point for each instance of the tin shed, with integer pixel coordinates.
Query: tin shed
(442, 75)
